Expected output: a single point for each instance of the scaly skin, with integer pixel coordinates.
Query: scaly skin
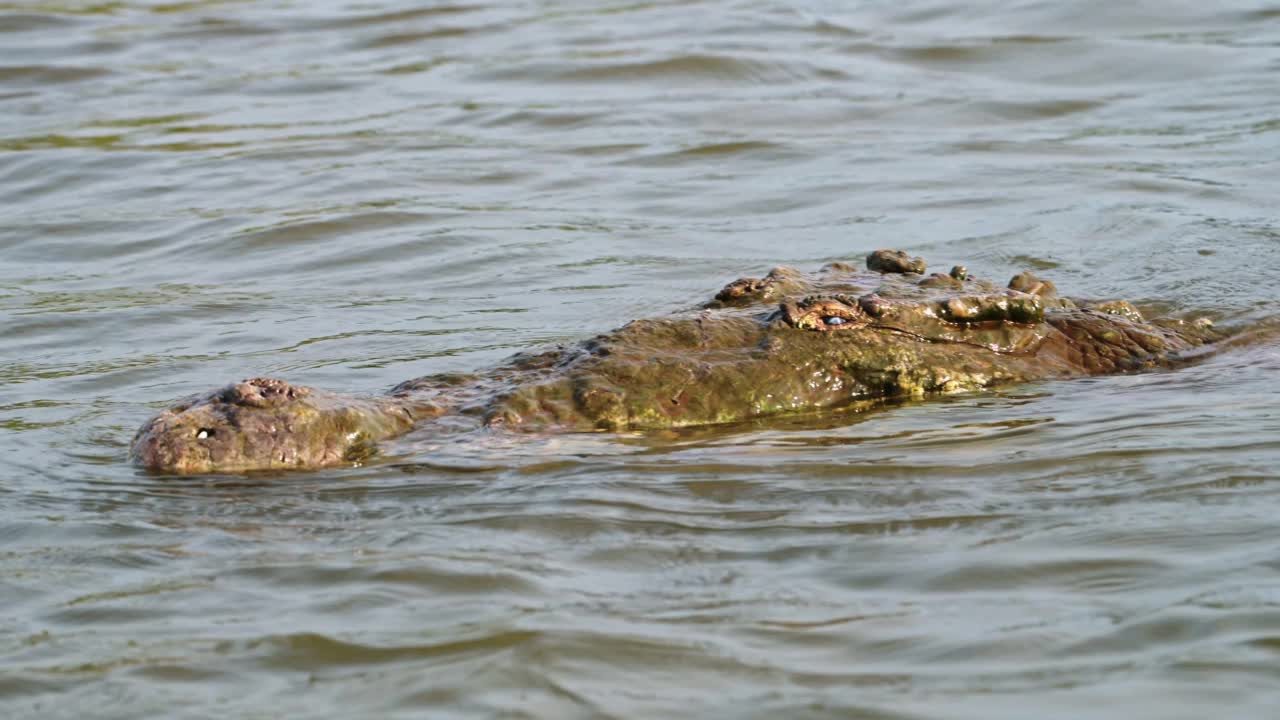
(266, 424)
(789, 342)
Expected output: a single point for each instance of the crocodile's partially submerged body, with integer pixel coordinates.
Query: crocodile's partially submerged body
(789, 342)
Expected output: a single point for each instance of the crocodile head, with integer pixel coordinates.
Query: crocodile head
(265, 424)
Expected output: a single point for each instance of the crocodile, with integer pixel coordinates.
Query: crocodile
(786, 343)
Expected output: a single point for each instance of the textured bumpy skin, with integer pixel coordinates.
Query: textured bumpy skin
(788, 342)
(264, 424)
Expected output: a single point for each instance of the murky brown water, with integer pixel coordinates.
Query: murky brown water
(352, 194)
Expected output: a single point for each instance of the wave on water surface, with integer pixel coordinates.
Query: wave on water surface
(353, 195)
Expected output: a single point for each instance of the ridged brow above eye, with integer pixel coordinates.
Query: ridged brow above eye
(824, 314)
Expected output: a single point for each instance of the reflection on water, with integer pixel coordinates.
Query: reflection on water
(350, 195)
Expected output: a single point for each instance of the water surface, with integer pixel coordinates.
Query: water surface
(351, 194)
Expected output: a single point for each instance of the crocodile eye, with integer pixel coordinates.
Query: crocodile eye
(204, 433)
(825, 314)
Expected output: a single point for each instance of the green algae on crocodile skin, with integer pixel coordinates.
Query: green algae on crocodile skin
(787, 342)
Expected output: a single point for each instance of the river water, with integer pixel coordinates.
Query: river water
(349, 194)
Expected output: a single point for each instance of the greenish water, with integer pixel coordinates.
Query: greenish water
(348, 195)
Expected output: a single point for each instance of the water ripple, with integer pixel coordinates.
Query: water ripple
(352, 195)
